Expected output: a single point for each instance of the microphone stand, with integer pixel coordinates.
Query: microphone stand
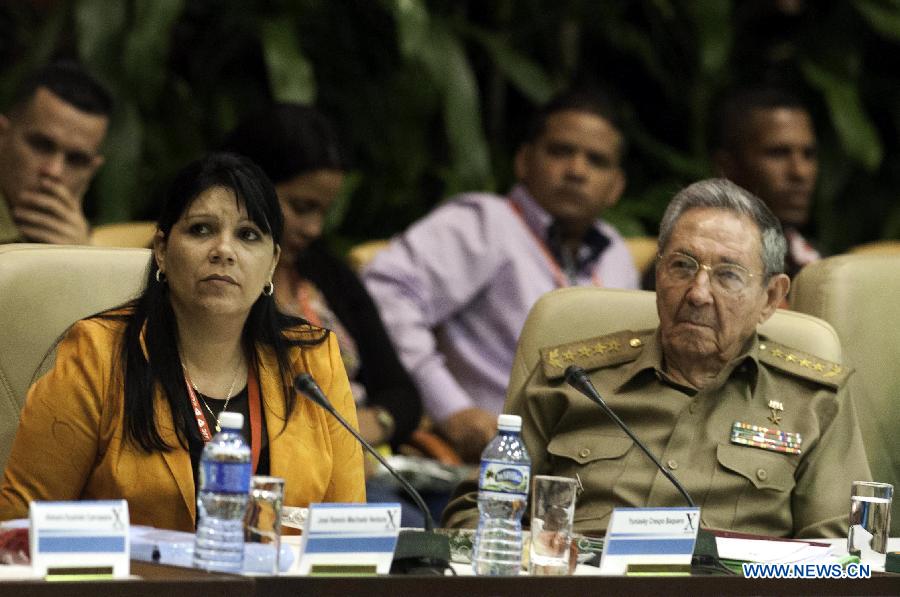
(417, 552)
(706, 554)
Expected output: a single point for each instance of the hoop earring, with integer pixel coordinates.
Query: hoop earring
(269, 288)
(160, 276)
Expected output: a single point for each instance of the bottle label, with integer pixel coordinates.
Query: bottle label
(225, 477)
(504, 477)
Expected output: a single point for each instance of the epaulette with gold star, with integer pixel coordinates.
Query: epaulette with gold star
(802, 364)
(594, 353)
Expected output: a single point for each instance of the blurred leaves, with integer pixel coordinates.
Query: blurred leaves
(291, 76)
(858, 135)
(882, 15)
(430, 95)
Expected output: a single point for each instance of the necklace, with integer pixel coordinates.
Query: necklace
(203, 398)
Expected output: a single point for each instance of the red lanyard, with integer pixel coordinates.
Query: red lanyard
(255, 415)
(303, 302)
(561, 280)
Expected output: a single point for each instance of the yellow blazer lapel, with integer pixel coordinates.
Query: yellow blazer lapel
(178, 459)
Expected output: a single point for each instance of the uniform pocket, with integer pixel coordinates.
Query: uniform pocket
(766, 470)
(597, 461)
(585, 448)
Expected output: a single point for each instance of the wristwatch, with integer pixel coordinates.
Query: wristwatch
(385, 421)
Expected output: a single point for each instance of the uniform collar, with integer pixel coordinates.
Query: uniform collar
(650, 364)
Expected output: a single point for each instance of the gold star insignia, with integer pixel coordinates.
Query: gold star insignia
(613, 345)
(599, 347)
(805, 363)
(553, 358)
(569, 355)
(835, 370)
(777, 353)
(819, 367)
(585, 351)
(790, 358)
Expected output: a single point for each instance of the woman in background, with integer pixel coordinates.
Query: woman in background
(135, 392)
(298, 149)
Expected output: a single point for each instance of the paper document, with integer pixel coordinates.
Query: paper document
(766, 550)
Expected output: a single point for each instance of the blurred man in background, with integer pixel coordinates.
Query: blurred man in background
(50, 140)
(454, 289)
(763, 140)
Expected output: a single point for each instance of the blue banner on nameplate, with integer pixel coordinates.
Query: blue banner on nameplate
(349, 538)
(73, 538)
(649, 536)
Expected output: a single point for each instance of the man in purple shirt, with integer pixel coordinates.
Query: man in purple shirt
(455, 288)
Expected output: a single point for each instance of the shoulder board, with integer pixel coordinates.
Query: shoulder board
(593, 353)
(801, 364)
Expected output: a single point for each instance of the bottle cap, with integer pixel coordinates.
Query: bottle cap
(509, 422)
(230, 420)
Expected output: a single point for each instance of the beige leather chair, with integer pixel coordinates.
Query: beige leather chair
(881, 247)
(360, 255)
(643, 251)
(859, 295)
(43, 290)
(571, 314)
(124, 234)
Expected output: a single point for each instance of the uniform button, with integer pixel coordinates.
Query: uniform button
(672, 464)
(585, 452)
(761, 474)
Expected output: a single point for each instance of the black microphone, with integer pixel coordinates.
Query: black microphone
(578, 379)
(417, 552)
(706, 553)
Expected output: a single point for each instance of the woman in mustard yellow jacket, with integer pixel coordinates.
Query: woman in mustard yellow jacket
(136, 392)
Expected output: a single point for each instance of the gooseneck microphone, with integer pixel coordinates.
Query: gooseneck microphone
(578, 379)
(417, 552)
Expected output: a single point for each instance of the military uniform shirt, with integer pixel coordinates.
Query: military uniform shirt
(765, 490)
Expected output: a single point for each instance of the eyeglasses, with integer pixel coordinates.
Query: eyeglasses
(729, 278)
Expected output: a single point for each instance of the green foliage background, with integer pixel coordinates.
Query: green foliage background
(431, 95)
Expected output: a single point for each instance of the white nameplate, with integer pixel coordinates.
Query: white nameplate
(349, 538)
(655, 536)
(72, 538)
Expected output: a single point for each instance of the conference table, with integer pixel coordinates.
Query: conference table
(155, 580)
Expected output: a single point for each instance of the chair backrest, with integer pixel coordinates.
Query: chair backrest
(360, 255)
(43, 290)
(881, 247)
(571, 314)
(643, 251)
(124, 234)
(858, 295)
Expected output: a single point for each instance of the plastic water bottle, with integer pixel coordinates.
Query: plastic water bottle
(224, 482)
(502, 497)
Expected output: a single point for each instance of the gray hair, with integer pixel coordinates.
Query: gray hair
(719, 193)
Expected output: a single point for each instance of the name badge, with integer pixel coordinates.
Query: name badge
(340, 539)
(79, 539)
(650, 541)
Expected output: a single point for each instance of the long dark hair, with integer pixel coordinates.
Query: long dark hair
(152, 315)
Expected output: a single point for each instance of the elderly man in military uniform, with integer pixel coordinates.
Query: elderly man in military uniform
(763, 437)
